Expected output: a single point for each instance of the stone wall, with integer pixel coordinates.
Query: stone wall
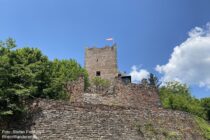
(127, 111)
(76, 89)
(103, 60)
(65, 121)
(119, 94)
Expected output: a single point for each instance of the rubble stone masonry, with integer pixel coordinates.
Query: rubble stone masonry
(101, 60)
(122, 112)
(60, 120)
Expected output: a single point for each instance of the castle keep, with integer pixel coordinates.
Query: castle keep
(101, 62)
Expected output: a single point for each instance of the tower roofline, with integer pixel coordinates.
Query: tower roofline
(104, 47)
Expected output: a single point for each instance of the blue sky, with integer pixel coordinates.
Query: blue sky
(146, 31)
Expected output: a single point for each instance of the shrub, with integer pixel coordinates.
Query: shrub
(175, 95)
(204, 127)
(100, 83)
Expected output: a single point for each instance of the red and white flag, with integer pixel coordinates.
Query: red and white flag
(109, 39)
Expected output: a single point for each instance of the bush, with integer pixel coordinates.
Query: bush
(204, 126)
(175, 95)
(100, 83)
(205, 102)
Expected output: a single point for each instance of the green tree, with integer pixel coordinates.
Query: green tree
(27, 73)
(21, 76)
(153, 80)
(62, 72)
(175, 95)
(144, 81)
(205, 102)
(11, 99)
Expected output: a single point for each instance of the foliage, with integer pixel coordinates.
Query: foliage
(15, 79)
(26, 73)
(153, 80)
(144, 81)
(148, 130)
(100, 83)
(205, 102)
(175, 95)
(62, 72)
(204, 126)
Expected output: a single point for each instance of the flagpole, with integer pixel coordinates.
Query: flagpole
(111, 39)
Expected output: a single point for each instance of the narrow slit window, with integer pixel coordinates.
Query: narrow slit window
(98, 73)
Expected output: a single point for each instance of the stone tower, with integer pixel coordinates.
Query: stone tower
(101, 62)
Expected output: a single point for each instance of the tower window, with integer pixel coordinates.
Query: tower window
(98, 73)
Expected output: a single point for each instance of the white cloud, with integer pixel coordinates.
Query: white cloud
(138, 74)
(190, 61)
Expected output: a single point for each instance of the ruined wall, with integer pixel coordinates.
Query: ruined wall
(119, 94)
(62, 120)
(136, 95)
(103, 60)
(76, 89)
(125, 112)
